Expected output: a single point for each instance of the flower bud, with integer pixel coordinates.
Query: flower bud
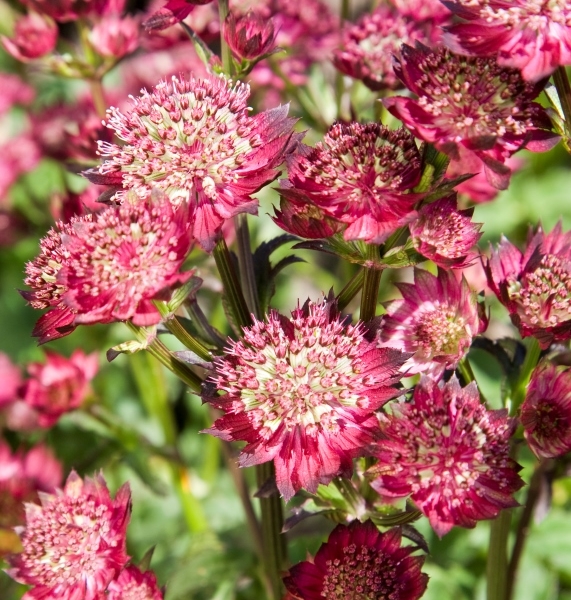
(35, 36)
(249, 37)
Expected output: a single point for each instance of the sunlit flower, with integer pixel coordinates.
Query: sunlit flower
(35, 35)
(249, 36)
(195, 141)
(361, 563)
(449, 453)
(436, 319)
(361, 175)
(74, 543)
(446, 235)
(533, 36)
(535, 286)
(59, 385)
(303, 392)
(470, 102)
(133, 584)
(546, 411)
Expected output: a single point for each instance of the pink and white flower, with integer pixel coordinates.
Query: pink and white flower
(134, 584)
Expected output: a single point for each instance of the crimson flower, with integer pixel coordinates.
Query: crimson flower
(303, 392)
(133, 584)
(361, 176)
(195, 141)
(74, 543)
(535, 286)
(249, 36)
(361, 563)
(546, 411)
(173, 12)
(470, 102)
(533, 36)
(446, 235)
(449, 453)
(436, 320)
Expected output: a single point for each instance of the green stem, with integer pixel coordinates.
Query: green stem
(224, 50)
(563, 87)
(231, 284)
(247, 275)
(497, 564)
(532, 354)
(351, 289)
(98, 97)
(465, 369)
(370, 294)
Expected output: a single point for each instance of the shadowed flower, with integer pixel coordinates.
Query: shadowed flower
(35, 35)
(11, 380)
(249, 36)
(303, 392)
(195, 141)
(59, 385)
(74, 543)
(367, 48)
(115, 36)
(436, 319)
(546, 411)
(70, 10)
(533, 36)
(422, 10)
(535, 286)
(173, 12)
(449, 453)
(133, 584)
(361, 563)
(471, 102)
(446, 235)
(361, 175)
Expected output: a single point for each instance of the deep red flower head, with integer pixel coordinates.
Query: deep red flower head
(445, 235)
(74, 543)
(196, 141)
(535, 286)
(35, 35)
(470, 102)
(59, 385)
(303, 392)
(367, 48)
(546, 411)
(133, 584)
(249, 36)
(71, 10)
(533, 36)
(436, 320)
(361, 563)
(173, 12)
(361, 176)
(449, 453)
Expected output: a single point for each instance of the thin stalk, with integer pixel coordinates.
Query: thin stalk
(370, 294)
(247, 275)
(224, 50)
(351, 289)
(98, 97)
(202, 324)
(231, 284)
(563, 87)
(497, 564)
(532, 354)
(465, 369)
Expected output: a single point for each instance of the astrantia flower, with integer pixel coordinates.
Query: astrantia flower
(535, 286)
(11, 379)
(546, 411)
(74, 543)
(446, 235)
(367, 48)
(436, 319)
(531, 35)
(173, 12)
(35, 35)
(249, 36)
(59, 385)
(361, 563)
(449, 453)
(133, 584)
(303, 392)
(361, 175)
(422, 10)
(195, 141)
(470, 102)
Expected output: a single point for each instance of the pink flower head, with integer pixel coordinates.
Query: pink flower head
(117, 262)
(359, 562)
(535, 286)
(35, 35)
(422, 10)
(59, 385)
(133, 584)
(436, 320)
(18, 155)
(470, 102)
(249, 36)
(196, 141)
(546, 411)
(367, 48)
(114, 36)
(533, 36)
(446, 235)
(71, 10)
(11, 380)
(74, 543)
(449, 453)
(361, 175)
(303, 392)
(173, 12)
(14, 91)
